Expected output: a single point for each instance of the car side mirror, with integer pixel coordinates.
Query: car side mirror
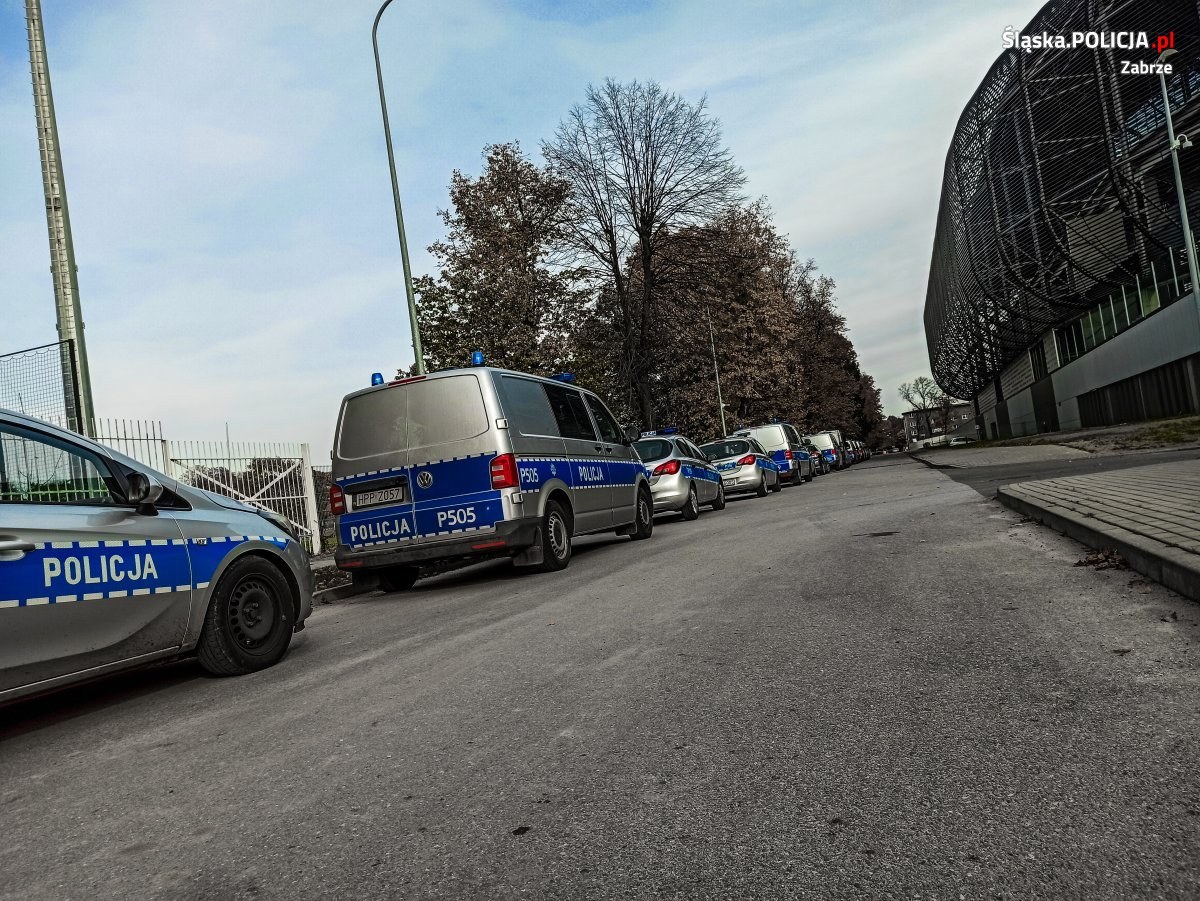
(143, 493)
(630, 435)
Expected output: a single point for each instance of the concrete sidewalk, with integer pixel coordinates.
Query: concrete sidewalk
(1148, 514)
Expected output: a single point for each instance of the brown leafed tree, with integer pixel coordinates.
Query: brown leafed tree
(496, 289)
(642, 163)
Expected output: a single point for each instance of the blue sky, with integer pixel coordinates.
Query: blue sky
(229, 192)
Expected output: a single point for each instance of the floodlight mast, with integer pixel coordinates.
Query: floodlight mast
(77, 379)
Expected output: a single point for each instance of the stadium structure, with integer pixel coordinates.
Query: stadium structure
(1059, 293)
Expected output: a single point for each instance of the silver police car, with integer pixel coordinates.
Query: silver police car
(106, 564)
(744, 465)
(681, 477)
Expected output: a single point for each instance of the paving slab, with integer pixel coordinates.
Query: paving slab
(1148, 514)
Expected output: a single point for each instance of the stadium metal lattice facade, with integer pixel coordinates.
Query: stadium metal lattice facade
(1058, 196)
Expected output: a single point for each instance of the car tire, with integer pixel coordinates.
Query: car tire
(691, 509)
(762, 489)
(556, 539)
(643, 525)
(719, 502)
(249, 621)
(398, 578)
(811, 475)
(778, 486)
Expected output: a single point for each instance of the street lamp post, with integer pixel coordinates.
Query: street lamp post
(1176, 144)
(387, 134)
(716, 371)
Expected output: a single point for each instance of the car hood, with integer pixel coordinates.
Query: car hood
(222, 501)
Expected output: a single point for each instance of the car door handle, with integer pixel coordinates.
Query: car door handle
(17, 546)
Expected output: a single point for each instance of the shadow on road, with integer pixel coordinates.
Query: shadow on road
(74, 701)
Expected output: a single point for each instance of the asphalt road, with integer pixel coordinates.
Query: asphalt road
(877, 685)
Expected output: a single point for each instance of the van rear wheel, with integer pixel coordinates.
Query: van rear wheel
(556, 539)
(643, 525)
(398, 578)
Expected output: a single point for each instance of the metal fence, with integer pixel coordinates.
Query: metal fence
(41, 381)
(276, 476)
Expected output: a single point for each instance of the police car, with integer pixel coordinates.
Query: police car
(107, 564)
(681, 477)
(744, 465)
(478, 462)
(784, 445)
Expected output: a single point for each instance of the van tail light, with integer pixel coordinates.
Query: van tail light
(787, 455)
(337, 500)
(746, 460)
(504, 471)
(667, 469)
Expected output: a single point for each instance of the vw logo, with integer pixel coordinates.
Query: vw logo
(425, 479)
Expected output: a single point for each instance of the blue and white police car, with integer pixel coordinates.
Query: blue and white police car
(744, 465)
(681, 477)
(106, 564)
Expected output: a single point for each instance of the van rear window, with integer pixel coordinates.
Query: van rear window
(419, 414)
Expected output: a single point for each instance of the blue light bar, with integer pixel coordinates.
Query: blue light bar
(477, 358)
(376, 378)
(563, 377)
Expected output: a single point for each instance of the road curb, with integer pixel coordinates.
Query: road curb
(934, 465)
(1174, 568)
(339, 593)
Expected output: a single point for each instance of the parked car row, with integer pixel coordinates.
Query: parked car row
(107, 564)
(478, 462)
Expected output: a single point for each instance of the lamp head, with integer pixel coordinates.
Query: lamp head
(1167, 54)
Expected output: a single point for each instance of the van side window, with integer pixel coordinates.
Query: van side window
(609, 430)
(527, 408)
(570, 413)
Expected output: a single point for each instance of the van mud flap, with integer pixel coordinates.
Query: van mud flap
(532, 555)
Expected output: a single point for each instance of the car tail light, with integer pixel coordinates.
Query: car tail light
(504, 471)
(746, 460)
(667, 469)
(787, 455)
(337, 500)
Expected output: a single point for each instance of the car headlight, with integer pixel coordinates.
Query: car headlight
(281, 522)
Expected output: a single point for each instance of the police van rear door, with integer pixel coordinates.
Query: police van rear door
(452, 445)
(414, 462)
(84, 579)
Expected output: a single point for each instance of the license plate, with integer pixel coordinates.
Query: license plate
(375, 498)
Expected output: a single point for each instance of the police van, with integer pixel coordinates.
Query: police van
(478, 462)
(106, 564)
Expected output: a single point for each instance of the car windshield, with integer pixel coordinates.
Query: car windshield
(720, 449)
(651, 449)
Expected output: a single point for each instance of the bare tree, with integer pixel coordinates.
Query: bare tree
(643, 163)
(922, 394)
